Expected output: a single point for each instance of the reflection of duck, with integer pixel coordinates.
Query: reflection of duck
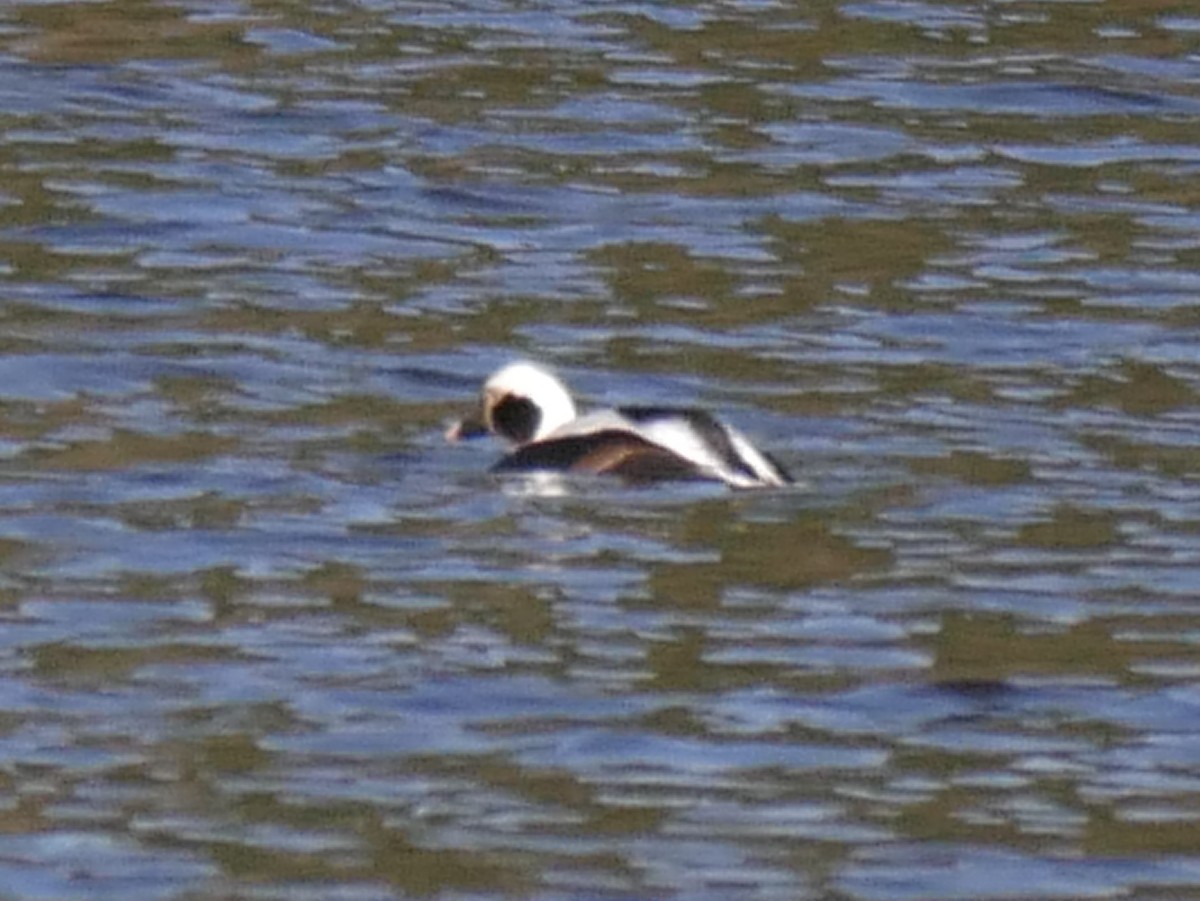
(531, 409)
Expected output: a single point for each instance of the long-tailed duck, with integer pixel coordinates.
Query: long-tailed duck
(532, 410)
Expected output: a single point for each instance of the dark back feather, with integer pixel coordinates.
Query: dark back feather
(705, 425)
(608, 452)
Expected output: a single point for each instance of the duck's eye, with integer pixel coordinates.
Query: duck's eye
(516, 418)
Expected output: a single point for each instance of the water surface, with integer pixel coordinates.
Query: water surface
(266, 636)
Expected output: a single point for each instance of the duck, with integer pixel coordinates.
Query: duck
(528, 407)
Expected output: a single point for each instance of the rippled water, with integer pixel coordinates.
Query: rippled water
(265, 636)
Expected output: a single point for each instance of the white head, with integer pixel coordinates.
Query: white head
(521, 403)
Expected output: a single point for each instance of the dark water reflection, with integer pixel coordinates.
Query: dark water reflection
(264, 636)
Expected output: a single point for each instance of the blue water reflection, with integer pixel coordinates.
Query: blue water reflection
(266, 635)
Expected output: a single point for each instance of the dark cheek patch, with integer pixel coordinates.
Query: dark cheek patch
(516, 418)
